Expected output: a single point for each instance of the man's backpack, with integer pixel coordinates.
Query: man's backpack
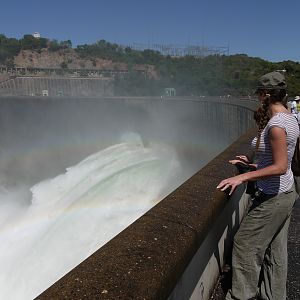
(296, 159)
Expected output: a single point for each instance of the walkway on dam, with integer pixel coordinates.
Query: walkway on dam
(293, 280)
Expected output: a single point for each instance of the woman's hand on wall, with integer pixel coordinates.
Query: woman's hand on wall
(231, 183)
(235, 161)
(243, 158)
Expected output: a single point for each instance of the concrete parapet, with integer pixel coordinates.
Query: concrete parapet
(170, 251)
(57, 86)
(3, 77)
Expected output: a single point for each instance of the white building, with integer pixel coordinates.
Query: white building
(36, 35)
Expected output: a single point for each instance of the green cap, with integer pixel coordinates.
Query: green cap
(272, 80)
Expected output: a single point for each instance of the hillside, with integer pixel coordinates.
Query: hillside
(189, 75)
(50, 59)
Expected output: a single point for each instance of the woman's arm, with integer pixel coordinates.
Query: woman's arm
(277, 138)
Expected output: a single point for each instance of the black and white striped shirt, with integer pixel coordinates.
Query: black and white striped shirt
(277, 184)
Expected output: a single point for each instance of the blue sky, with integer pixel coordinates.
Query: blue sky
(269, 29)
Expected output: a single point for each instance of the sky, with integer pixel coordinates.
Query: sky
(268, 29)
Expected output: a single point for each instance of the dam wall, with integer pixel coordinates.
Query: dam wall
(3, 77)
(176, 250)
(56, 86)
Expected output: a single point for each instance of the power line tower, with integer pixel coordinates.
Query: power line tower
(176, 50)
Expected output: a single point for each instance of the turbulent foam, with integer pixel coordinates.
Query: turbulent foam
(72, 215)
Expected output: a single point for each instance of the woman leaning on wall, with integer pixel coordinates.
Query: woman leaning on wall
(259, 258)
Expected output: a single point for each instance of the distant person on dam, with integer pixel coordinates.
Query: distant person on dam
(297, 99)
(259, 258)
(294, 108)
(297, 171)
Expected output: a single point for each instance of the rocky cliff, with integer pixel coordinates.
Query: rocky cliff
(71, 60)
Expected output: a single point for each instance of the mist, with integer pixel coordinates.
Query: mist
(75, 172)
(41, 137)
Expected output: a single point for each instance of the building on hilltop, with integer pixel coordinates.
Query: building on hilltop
(36, 35)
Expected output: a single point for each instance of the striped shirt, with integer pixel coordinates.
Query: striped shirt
(279, 183)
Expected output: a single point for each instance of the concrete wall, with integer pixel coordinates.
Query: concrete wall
(57, 86)
(175, 250)
(199, 278)
(3, 77)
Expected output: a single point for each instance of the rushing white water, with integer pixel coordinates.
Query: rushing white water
(72, 215)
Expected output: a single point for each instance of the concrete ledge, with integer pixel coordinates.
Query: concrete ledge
(147, 259)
